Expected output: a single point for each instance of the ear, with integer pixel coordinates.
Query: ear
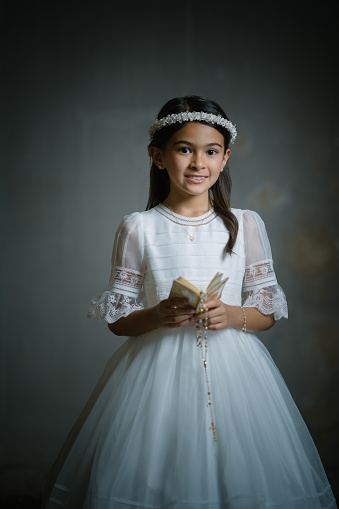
(157, 156)
(226, 156)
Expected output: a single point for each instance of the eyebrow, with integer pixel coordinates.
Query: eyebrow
(191, 144)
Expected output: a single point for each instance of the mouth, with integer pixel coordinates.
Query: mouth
(196, 179)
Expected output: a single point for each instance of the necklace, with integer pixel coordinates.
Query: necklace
(208, 214)
(202, 335)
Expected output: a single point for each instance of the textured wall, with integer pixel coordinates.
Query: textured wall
(81, 88)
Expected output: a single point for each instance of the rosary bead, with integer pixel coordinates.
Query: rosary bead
(202, 331)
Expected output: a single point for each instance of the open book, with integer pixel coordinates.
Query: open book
(182, 288)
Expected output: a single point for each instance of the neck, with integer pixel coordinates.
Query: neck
(190, 207)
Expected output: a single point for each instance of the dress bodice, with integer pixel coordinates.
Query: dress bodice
(153, 248)
(169, 254)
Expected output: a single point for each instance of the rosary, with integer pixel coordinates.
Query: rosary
(202, 336)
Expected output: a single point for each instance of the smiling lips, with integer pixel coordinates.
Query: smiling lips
(195, 179)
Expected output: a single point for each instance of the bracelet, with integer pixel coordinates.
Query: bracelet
(244, 327)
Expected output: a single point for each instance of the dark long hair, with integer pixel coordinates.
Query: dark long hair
(220, 192)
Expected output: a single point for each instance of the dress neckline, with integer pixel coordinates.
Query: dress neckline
(188, 219)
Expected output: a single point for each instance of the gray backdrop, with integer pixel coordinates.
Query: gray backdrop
(80, 89)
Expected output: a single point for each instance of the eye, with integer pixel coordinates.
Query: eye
(184, 150)
(212, 152)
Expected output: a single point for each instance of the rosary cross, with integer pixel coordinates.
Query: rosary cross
(213, 428)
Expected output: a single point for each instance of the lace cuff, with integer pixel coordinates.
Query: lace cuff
(125, 281)
(111, 306)
(267, 300)
(259, 275)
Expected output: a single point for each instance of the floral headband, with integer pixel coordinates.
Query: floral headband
(192, 116)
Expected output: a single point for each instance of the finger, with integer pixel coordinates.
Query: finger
(215, 313)
(176, 301)
(178, 324)
(212, 304)
(180, 311)
(177, 318)
(170, 314)
(202, 314)
(216, 320)
(217, 326)
(220, 321)
(167, 310)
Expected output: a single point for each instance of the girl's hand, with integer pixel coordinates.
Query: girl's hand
(172, 313)
(220, 315)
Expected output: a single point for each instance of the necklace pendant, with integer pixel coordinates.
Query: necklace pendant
(192, 238)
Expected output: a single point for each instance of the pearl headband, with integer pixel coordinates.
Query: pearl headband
(191, 116)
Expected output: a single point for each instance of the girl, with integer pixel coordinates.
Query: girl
(191, 411)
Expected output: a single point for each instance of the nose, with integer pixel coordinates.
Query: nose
(197, 161)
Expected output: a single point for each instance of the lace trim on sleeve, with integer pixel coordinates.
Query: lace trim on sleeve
(267, 300)
(258, 275)
(111, 306)
(121, 299)
(126, 281)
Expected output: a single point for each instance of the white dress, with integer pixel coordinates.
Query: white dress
(143, 440)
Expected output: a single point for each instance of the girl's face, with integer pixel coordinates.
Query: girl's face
(193, 158)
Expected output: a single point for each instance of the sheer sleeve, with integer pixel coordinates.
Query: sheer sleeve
(260, 286)
(123, 293)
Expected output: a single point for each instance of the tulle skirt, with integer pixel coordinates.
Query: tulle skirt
(143, 440)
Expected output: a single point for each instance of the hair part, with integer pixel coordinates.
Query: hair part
(220, 192)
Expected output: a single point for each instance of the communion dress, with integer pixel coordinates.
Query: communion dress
(144, 440)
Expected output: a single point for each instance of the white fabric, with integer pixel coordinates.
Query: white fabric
(143, 440)
(260, 287)
(161, 241)
(122, 296)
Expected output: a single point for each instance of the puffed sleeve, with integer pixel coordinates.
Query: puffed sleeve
(260, 286)
(124, 288)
